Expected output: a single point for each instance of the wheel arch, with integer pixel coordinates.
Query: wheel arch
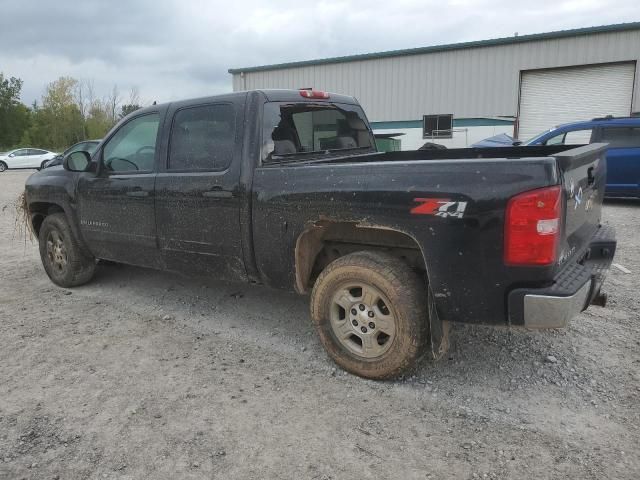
(40, 210)
(325, 241)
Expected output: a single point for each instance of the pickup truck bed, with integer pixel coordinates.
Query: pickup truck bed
(461, 252)
(390, 246)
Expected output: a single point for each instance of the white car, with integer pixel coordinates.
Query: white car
(25, 158)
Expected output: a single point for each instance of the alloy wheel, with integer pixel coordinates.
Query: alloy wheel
(56, 251)
(362, 320)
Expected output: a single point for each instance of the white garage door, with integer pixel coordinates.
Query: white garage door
(552, 97)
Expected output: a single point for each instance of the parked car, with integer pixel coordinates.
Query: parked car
(500, 140)
(623, 153)
(25, 158)
(286, 188)
(87, 146)
(432, 146)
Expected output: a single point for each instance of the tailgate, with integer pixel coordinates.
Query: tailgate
(583, 172)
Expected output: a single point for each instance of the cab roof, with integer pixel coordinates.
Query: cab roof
(284, 95)
(271, 95)
(602, 122)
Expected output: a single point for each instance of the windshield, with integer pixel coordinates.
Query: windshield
(309, 129)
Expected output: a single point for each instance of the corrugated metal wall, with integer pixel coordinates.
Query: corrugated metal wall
(470, 83)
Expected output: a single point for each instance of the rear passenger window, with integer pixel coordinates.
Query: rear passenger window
(202, 138)
(621, 137)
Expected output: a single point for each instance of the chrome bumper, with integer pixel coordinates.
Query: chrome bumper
(545, 311)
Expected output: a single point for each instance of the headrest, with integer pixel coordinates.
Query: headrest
(345, 142)
(281, 147)
(356, 123)
(282, 133)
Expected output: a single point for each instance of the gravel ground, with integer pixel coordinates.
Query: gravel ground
(144, 374)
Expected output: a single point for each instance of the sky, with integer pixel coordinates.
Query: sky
(172, 50)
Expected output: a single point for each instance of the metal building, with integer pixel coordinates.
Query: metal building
(460, 93)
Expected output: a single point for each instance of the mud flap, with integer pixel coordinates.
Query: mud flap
(438, 330)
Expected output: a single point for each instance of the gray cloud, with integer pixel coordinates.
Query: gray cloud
(172, 49)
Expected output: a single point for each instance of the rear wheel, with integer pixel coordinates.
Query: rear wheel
(43, 164)
(370, 311)
(3, 166)
(62, 258)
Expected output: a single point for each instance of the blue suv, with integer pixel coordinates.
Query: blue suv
(623, 154)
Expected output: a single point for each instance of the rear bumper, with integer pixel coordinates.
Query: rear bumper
(573, 290)
(548, 311)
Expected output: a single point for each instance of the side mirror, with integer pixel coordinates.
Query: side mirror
(76, 161)
(11, 155)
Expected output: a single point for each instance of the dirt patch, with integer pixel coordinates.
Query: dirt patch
(142, 374)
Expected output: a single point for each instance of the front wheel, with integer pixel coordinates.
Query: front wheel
(370, 311)
(62, 258)
(3, 166)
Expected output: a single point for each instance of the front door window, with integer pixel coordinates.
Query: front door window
(132, 149)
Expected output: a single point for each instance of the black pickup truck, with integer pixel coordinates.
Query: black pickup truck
(286, 188)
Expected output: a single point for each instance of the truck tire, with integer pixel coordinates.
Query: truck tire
(61, 255)
(370, 311)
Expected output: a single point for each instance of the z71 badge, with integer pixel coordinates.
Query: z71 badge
(439, 207)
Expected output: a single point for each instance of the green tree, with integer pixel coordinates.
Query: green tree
(127, 109)
(15, 117)
(67, 113)
(58, 122)
(99, 121)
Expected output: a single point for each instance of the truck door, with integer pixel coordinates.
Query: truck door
(116, 205)
(197, 190)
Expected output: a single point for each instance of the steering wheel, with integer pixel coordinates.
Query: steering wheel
(109, 161)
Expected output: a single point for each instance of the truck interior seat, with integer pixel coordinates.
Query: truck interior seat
(283, 140)
(357, 125)
(345, 142)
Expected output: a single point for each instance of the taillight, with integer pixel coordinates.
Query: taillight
(314, 94)
(532, 227)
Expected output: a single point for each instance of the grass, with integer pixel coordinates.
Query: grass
(22, 226)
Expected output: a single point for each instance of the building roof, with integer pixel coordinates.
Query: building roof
(620, 27)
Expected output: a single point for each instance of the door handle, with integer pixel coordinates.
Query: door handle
(590, 178)
(138, 193)
(216, 193)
